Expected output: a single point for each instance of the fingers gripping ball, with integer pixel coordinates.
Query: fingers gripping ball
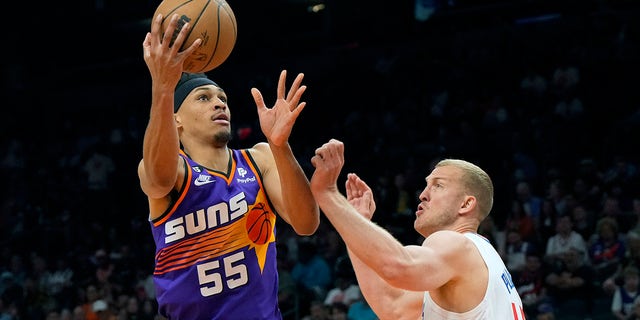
(260, 224)
(211, 20)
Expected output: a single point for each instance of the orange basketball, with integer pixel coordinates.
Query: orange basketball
(259, 224)
(212, 21)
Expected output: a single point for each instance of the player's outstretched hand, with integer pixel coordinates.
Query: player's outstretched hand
(360, 196)
(277, 122)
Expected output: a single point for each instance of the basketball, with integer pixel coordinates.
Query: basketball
(211, 20)
(260, 224)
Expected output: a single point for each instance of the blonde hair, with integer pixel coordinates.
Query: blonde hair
(476, 182)
(607, 221)
(630, 271)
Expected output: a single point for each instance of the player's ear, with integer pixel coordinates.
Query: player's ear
(468, 204)
(178, 121)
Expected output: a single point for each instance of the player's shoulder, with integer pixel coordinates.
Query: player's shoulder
(447, 239)
(452, 247)
(261, 154)
(261, 147)
(447, 234)
(259, 150)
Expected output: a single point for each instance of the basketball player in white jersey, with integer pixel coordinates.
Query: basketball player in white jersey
(455, 274)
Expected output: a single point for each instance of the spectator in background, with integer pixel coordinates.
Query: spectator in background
(635, 215)
(570, 281)
(148, 309)
(345, 289)
(361, 310)
(557, 196)
(317, 311)
(287, 289)
(311, 271)
(545, 312)
(14, 157)
(635, 314)
(607, 250)
(17, 267)
(60, 282)
(493, 233)
(329, 244)
(516, 251)
(34, 300)
(41, 276)
(78, 313)
(103, 310)
(626, 294)
(99, 168)
(563, 240)
(631, 258)
(584, 221)
(7, 311)
(53, 315)
(531, 203)
(338, 311)
(568, 106)
(91, 295)
(104, 273)
(519, 221)
(612, 208)
(530, 283)
(622, 172)
(533, 85)
(11, 290)
(546, 226)
(587, 190)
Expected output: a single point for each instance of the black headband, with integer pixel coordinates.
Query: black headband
(187, 83)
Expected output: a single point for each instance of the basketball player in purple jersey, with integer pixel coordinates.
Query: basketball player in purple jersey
(213, 209)
(455, 274)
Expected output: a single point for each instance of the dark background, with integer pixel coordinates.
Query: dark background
(400, 93)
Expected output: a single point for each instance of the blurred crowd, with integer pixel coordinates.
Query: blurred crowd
(550, 110)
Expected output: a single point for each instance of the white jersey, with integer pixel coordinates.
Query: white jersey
(501, 300)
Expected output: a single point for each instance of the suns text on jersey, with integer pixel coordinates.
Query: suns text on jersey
(206, 218)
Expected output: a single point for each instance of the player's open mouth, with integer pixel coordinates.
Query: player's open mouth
(420, 210)
(221, 118)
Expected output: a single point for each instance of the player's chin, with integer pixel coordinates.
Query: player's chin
(223, 135)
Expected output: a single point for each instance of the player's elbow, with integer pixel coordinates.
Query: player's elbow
(308, 227)
(158, 186)
(306, 231)
(156, 181)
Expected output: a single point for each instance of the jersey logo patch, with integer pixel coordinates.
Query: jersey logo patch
(203, 179)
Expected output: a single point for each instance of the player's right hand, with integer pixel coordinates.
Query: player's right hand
(163, 58)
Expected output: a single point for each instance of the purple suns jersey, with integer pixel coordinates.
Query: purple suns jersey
(208, 264)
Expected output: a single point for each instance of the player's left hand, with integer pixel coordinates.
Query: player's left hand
(277, 122)
(360, 196)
